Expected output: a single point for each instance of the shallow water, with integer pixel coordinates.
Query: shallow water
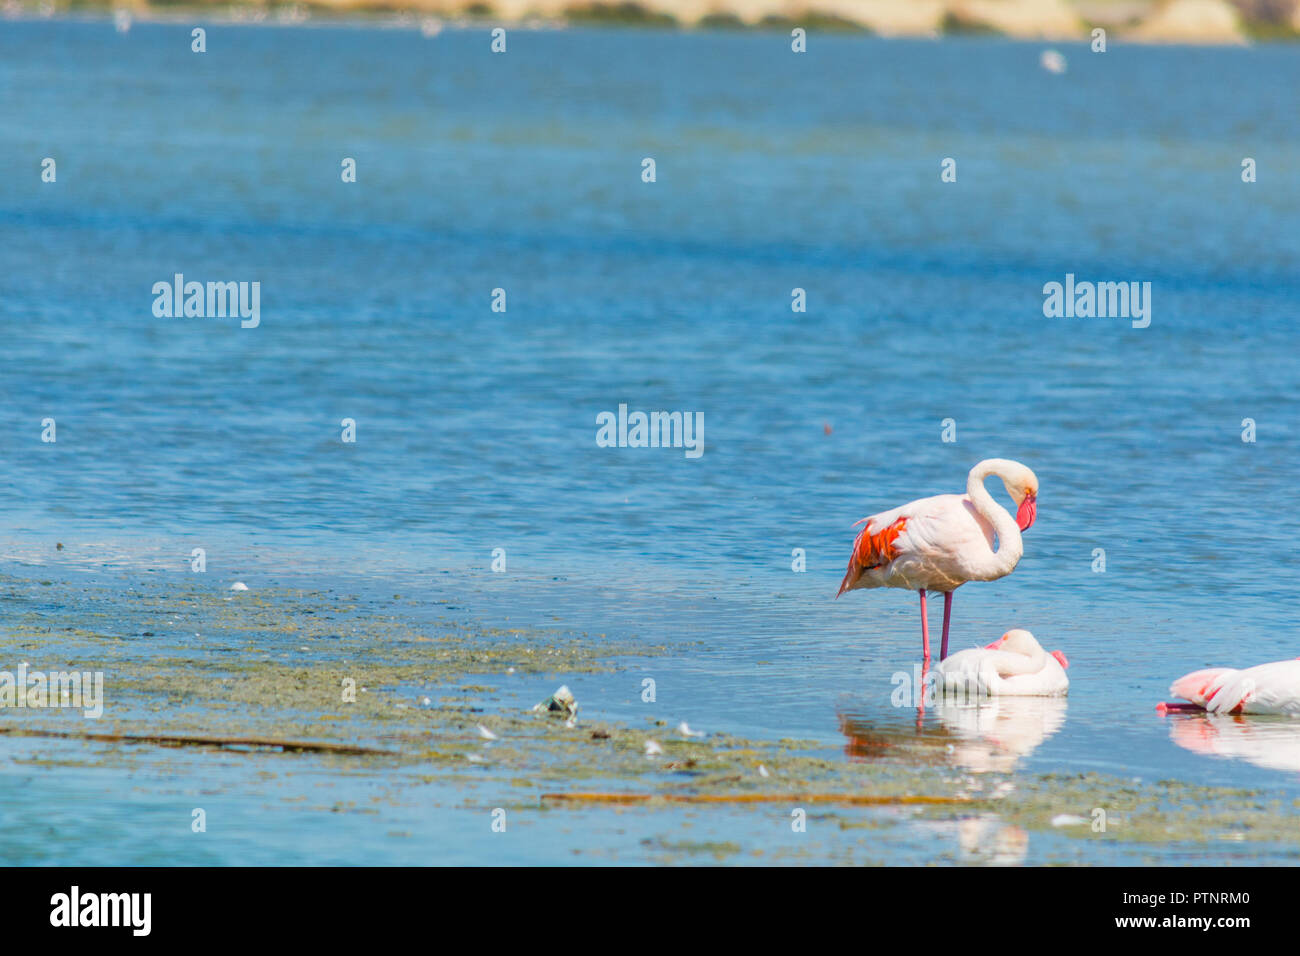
(476, 430)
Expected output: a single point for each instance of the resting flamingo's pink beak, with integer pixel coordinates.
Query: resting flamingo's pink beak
(1060, 659)
(1028, 512)
(996, 644)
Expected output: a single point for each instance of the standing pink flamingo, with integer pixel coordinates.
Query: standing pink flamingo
(942, 542)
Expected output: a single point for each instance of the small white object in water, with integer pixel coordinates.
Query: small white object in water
(652, 748)
(474, 758)
(485, 733)
(1068, 820)
(122, 20)
(239, 586)
(684, 729)
(425, 701)
(562, 701)
(430, 26)
(1052, 61)
(510, 670)
(762, 771)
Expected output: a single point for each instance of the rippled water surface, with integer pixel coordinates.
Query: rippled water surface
(476, 429)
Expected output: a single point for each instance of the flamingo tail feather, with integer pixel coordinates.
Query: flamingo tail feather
(871, 551)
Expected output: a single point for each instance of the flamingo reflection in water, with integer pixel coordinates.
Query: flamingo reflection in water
(995, 733)
(983, 734)
(1269, 742)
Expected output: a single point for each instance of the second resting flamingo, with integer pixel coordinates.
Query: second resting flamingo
(1015, 665)
(1272, 688)
(940, 543)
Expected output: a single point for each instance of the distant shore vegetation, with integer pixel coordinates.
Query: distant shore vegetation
(1156, 21)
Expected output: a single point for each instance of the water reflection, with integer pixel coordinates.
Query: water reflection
(996, 733)
(1269, 742)
(980, 735)
(985, 839)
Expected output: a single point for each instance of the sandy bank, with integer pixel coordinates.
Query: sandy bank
(1142, 21)
(1191, 21)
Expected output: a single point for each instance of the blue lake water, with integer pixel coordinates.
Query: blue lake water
(476, 429)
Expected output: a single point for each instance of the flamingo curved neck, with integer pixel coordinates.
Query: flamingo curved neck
(1010, 544)
(1011, 664)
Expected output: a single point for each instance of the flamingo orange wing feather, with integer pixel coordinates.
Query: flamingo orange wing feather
(872, 550)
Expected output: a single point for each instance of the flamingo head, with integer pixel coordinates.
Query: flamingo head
(1022, 486)
(1018, 641)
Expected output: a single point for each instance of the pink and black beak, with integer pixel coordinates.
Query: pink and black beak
(1061, 659)
(1028, 512)
(996, 644)
(1177, 707)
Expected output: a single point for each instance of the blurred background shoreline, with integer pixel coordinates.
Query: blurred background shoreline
(1212, 22)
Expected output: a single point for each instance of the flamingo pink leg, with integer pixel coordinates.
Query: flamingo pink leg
(947, 614)
(925, 629)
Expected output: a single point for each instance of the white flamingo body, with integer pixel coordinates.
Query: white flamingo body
(941, 542)
(1013, 666)
(1272, 688)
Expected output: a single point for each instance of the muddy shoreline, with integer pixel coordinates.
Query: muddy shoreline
(190, 660)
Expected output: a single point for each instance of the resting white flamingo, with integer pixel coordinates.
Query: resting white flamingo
(1264, 689)
(1015, 665)
(940, 543)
